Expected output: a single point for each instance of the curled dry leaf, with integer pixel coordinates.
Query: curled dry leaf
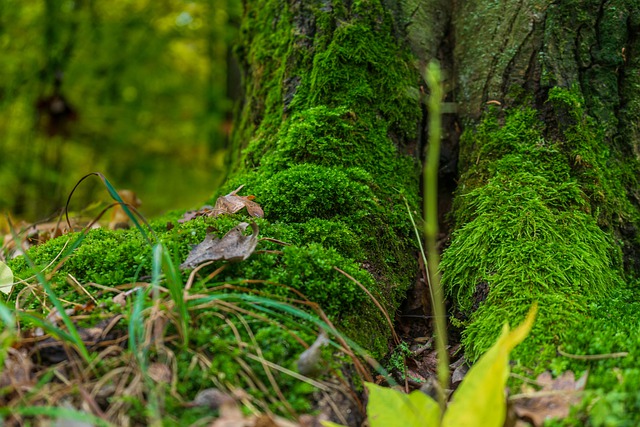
(310, 361)
(552, 401)
(232, 203)
(234, 246)
(17, 371)
(119, 218)
(229, 204)
(160, 373)
(460, 369)
(36, 234)
(231, 415)
(50, 350)
(188, 216)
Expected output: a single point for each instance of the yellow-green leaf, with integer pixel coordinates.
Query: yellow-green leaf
(6, 278)
(391, 408)
(480, 399)
(330, 424)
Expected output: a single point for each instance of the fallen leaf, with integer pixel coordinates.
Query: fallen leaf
(310, 361)
(234, 246)
(119, 218)
(230, 413)
(229, 204)
(6, 278)
(189, 215)
(460, 369)
(553, 400)
(210, 398)
(121, 298)
(160, 373)
(36, 234)
(232, 203)
(17, 371)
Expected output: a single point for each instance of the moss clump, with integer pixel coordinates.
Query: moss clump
(602, 174)
(528, 226)
(334, 136)
(326, 133)
(309, 191)
(216, 332)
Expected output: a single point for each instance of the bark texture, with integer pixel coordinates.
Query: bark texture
(547, 202)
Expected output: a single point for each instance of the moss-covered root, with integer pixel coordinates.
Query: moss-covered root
(536, 216)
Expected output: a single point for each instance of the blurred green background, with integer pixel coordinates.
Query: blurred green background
(140, 90)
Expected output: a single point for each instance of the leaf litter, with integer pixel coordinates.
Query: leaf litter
(553, 400)
(231, 415)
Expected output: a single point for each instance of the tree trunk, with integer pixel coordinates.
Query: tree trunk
(546, 207)
(547, 98)
(326, 141)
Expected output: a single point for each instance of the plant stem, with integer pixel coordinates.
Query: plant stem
(430, 175)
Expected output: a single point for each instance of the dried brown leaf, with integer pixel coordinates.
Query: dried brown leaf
(227, 205)
(159, 372)
(188, 216)
(234, 246)
(553, 400)
(231, 414)
(460, 369)
(310, 361)
(232, 203)
(119, 218)
(17, 371)
(52, 350)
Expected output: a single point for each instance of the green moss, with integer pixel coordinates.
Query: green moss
(331, 164)
(609, 327)
(602, 174)
(534, 224)
(330, 137)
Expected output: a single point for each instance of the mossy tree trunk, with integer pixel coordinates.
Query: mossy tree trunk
(547, 205)
(326, 141)
(547, 99)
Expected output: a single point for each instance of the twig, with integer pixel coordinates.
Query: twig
(592, 356)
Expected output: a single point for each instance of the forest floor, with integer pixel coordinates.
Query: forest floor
(76, 365)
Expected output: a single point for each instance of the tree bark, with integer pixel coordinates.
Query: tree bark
(547, 104)
(546, 207)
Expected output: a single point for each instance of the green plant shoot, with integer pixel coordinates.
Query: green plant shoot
(434, 81)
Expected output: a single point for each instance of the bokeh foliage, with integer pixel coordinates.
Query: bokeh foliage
(136, 89)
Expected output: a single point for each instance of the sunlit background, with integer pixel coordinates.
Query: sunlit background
(140, 90)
